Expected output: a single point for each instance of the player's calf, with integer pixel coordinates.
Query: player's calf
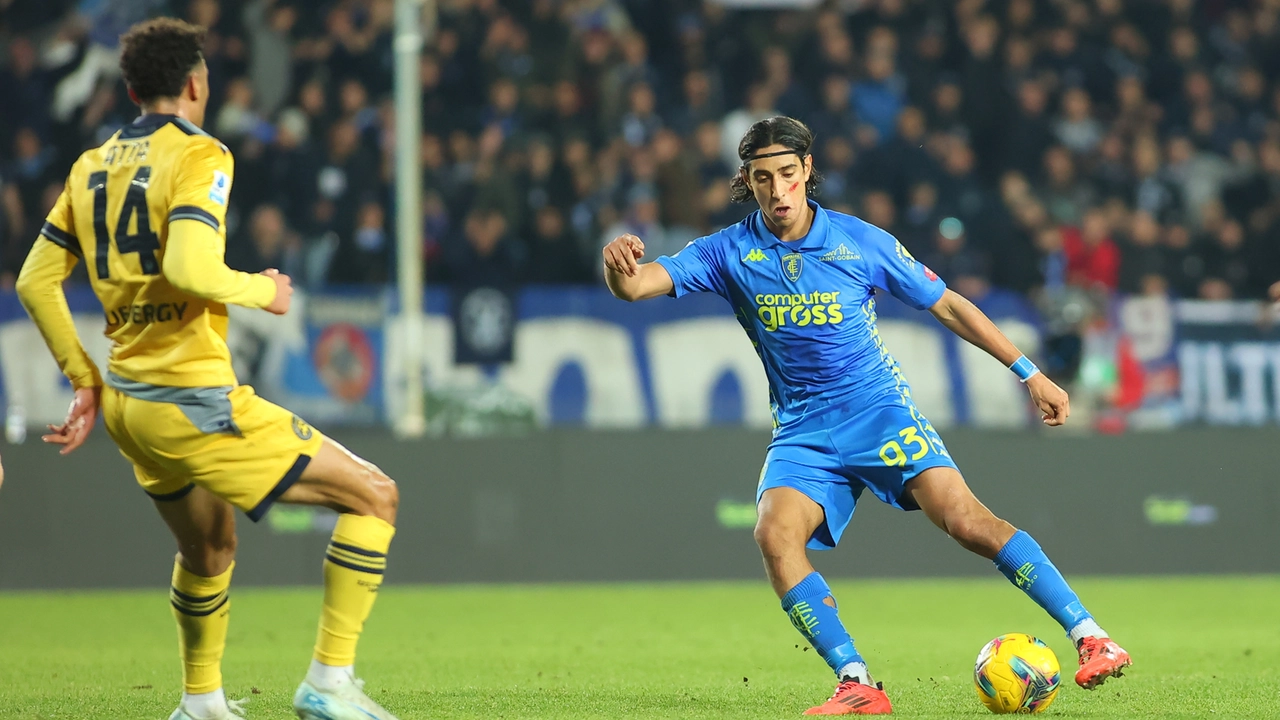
(354, 565)
(943, 495)
(199, 595)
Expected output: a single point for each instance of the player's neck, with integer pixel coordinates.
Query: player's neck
(165, 107)
(798, 231)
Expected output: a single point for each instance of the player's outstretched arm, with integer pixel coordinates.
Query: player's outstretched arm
(968, 322)
(193, 263)
(627, 278)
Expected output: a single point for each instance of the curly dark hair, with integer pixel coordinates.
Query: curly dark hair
(158, 55)
(780, 130)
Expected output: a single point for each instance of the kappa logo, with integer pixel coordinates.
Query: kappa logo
(840, 254)
(756, 255)
(793, 265)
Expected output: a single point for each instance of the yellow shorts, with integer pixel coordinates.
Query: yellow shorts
(229, 441)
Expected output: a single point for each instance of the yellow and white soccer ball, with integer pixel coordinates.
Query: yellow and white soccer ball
(1016, 673)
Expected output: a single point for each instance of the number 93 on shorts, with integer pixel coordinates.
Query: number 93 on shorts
(843, 452)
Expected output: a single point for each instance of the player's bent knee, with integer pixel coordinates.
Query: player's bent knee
(982, 533)
(379, 496)
(778, 538)
(387, 495)
(211, 557)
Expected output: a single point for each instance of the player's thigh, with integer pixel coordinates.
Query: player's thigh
(204, 526)
(129, 422)
(235, 445)
(800, 493)
(340, 479)
(947, 501)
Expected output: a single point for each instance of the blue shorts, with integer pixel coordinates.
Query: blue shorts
(844, 451)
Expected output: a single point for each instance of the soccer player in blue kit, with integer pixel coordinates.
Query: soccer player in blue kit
(801, 280)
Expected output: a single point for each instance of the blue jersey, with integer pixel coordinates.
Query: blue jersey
(809, 307)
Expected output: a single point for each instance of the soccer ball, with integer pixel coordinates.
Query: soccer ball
(1016, 673)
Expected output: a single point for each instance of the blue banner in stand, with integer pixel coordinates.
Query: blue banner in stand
(579, 358)
(584, 358)
(1229, 362)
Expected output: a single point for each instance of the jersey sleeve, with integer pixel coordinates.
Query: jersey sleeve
(894, 269)
(202, 184)
(40, 291)
(195, 256)
(699, 267)
(60, 225)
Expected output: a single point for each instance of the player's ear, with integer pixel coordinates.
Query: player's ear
(134, 97)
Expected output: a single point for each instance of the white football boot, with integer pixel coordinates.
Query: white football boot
(346, 701)
(233, 710)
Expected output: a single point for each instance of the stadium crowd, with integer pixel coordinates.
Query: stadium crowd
(1127, 146)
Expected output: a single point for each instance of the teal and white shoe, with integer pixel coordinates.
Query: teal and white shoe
(346, 701)
(233, 710)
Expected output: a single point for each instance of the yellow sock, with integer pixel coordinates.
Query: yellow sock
(353, 567)
(202, 608)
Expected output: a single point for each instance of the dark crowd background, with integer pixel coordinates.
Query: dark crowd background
(1041, 146)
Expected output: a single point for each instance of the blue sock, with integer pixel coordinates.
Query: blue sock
(806, 605)
(1025, 564)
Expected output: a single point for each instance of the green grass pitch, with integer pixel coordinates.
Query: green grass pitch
(1203, 647)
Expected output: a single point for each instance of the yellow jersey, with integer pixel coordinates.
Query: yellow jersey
(117, 213)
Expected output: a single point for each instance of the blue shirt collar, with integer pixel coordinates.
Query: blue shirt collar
(815, 240)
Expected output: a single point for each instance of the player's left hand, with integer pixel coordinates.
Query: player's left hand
(1274, 292)
(81, 416)
(1051, 399)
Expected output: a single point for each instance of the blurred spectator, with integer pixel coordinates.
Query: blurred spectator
(269, 24)
(964, 268)
(641, 219)
(237, 118)
(1076, 128)
(678, 184)
(758, 106)
(554, 257)
(1030, 133)
(1229, 262)
(267, 242)
(1140, 254)
(1093, 260)
(700, 104)
(641, 120)
(487, 254)
(879, 97)
(365, 256)
(878, 209)
(835, 117)
(25, 89)
(790, 98)
(1065, 194)
(30, 172)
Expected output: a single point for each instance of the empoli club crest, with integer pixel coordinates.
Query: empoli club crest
(792, 264)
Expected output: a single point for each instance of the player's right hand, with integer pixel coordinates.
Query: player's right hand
(1274, 292)
(81, 416)
(284, 292)
(1050, 399)
(621, 255)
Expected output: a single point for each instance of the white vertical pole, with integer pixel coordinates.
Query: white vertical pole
(408, 188)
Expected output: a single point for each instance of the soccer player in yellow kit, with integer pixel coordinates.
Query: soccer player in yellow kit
(146, 214)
